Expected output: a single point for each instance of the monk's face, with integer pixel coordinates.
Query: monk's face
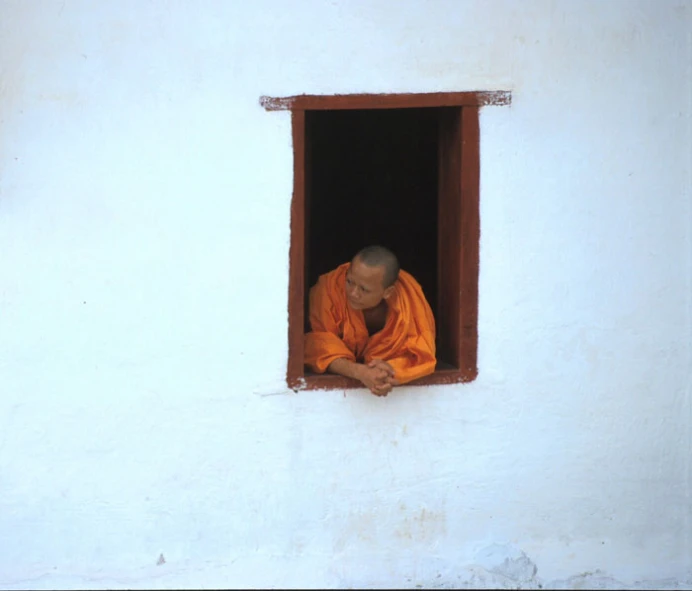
(364, 285)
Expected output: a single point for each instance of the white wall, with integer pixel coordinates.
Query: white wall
(144, 231)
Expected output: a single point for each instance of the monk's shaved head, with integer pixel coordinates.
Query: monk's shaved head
(379, 256)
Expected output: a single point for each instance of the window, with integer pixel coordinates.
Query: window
(397, 170)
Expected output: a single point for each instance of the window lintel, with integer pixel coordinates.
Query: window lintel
(309, 102)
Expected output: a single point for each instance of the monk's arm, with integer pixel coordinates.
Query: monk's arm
(346, 367)
(416, 360)
(412, 366)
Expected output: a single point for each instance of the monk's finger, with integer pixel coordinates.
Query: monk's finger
(388, 368)
(381, 389)
(382, 364)
(381, 374)
(386, 387)
(386, 376)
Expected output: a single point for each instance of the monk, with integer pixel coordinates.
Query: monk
(370, 321)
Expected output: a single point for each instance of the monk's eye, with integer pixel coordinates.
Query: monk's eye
(364, 290)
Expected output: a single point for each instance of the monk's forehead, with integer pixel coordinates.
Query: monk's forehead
(366, 272)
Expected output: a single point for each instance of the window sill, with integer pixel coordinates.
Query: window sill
(326, 381)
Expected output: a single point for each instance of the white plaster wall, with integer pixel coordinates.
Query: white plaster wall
(144, 230)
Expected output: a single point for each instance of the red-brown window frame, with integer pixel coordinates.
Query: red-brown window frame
(459, 176)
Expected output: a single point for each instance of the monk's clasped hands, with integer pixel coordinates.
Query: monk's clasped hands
(379, 377)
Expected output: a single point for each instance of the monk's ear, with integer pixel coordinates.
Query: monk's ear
(388, 292)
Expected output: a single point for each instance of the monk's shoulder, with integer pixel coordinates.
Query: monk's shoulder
(410, 286)
(331, 288)
(339, 273)
(332, 282)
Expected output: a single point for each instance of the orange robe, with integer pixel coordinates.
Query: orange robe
(407, 341)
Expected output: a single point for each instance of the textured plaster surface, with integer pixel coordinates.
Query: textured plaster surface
(147, 437)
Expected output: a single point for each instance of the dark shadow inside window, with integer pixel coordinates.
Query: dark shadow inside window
(372, 178)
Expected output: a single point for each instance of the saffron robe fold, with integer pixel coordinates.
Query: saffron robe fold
(407, 341)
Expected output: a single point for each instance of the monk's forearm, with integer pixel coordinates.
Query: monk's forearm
(345, 367)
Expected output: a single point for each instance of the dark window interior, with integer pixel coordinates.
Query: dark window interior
(372, 178)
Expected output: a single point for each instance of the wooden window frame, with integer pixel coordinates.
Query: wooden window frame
(458, 233)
